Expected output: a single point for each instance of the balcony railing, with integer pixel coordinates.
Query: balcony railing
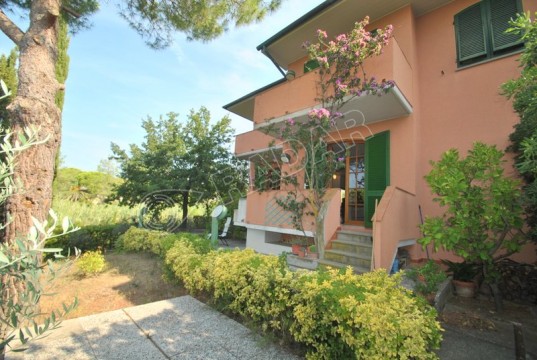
(249, 143)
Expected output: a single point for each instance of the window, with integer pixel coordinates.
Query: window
(480, 31)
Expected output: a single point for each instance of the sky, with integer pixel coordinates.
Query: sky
(115, 80)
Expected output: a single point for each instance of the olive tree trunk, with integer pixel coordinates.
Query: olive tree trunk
(34, 106)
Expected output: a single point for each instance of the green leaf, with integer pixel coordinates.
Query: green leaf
(3, 258)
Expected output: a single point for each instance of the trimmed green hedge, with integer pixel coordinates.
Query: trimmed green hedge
(334, 313)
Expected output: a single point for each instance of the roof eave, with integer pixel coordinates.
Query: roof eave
(297, 23)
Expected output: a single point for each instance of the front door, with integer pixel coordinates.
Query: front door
(355, 181)
(364, 178)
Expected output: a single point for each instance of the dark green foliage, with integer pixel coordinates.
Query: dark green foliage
(463, 271)
(200, 20)
(483, 213)
(8, 73)
(89, 238)
(184, 163)
(427, 277)
(62, 62)
(523, 92)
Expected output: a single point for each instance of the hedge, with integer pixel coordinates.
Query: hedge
(336, 314)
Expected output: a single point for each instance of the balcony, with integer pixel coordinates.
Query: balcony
(295, 98)
(254, 142)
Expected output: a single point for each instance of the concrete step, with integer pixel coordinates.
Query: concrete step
(352, 247)
(335, 264)
(345, 257)
(357, 237)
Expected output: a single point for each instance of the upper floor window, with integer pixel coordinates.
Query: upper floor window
(480, 31)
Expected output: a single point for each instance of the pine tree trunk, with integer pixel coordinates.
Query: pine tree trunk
(34, 106)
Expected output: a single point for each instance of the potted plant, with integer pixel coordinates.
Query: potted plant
(427, 279)
(463, 274)
(312, 252)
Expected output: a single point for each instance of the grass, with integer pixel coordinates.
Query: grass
(85, 214)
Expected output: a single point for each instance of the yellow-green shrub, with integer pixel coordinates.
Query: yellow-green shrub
(189, 266)
(337, 314)
(91, 263)
(343, 315)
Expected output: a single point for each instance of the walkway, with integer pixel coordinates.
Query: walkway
(180, 328)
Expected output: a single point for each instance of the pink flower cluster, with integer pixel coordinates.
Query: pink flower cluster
(320, 114)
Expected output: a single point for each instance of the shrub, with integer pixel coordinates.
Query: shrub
(90, 238)
(159, 242)
(91, 263)
(140, 239)
(336, 313)
(431, 275)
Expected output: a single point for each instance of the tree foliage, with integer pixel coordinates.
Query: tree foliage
(199, 20)
(523, 92)
(77, 185)
(62, 62)
(8, 73)
(180, 163)
(483, 215)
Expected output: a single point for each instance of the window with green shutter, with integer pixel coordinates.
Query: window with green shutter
(480, 31)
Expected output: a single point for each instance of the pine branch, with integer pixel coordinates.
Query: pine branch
(9, 28)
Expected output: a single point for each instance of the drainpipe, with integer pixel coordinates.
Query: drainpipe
(265, 52)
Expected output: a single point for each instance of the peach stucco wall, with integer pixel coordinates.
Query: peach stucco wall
(394, 221)
(458, 106)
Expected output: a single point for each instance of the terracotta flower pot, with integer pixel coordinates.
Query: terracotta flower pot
(464, 288)
(295, 249)
(313, 255)
(301, 253)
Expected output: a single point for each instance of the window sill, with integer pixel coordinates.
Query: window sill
(517, 52)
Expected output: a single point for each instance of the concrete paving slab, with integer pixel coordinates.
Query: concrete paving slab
(180, 328)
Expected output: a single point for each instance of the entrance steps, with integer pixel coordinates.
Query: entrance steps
(353, 247)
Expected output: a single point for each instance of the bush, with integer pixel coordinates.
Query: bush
(91, 263)
(90, 238)
(159, 242)
(336, 313)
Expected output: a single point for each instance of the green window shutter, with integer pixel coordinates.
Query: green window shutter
(501, 11)
(311, 65)
(470, 33)
(377, 171)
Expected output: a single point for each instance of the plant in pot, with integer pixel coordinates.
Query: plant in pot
(298, 246)
(483, 218)
(427, 279)
(463, 274)
(312, 252)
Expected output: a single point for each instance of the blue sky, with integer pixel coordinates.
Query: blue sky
(115, 80)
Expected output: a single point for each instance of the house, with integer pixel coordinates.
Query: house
(447, 59)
